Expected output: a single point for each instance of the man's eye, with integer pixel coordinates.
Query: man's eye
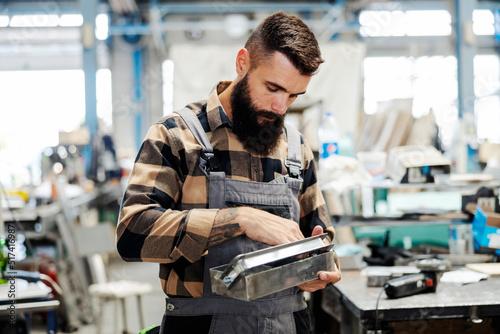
(271, 89)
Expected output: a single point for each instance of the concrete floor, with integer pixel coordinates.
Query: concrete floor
(153, 304)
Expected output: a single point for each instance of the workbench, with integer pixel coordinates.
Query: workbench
(55, 224)
(32, 297)
(354, 305)
(39, 220)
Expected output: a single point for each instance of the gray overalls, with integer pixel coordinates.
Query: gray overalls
(271, 314)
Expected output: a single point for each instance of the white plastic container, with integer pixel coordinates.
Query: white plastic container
(328, 135)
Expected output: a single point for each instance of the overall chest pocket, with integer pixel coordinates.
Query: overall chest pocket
(282, 210)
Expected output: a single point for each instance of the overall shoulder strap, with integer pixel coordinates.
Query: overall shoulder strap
(208, 161)
(294, 160)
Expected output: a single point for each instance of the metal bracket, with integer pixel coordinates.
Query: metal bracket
(212, 162)
(294, 169)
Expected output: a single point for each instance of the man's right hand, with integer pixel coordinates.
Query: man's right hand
(256, 224)
(267, 228)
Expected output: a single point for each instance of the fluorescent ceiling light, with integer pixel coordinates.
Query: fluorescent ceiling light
(428, 23)
(483, 22)
(236, 25)
(34, 21)
(71, 20)
(101, 27)
(410, 23)
(4, 21)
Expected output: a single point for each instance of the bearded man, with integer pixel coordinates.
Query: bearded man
(225, 176)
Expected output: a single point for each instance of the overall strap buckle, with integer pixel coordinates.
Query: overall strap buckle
(210, 162)
(294, 169)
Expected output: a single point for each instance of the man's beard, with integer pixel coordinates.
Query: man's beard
(261, 138)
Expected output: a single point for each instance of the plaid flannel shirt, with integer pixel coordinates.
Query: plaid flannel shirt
(164, 216)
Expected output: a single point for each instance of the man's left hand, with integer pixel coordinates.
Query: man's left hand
(324, 277)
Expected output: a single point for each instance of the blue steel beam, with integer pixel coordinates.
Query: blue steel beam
(138, 95)
(89, 12)
(219, 8)
(145, 29)
(236, 7)
(39, 7)
(207, 9)
(67, 7)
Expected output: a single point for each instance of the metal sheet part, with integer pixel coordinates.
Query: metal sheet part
(256, 274)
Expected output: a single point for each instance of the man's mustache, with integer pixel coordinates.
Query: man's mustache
(269, 115)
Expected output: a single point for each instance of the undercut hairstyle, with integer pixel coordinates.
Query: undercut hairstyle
(287, 34)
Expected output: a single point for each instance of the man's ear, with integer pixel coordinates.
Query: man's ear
(242, 62)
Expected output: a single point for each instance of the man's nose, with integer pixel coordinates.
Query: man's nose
(279, 104)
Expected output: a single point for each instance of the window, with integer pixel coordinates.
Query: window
(104, 97)
(102, 26)
(384, 23)
(487, 89)
(483, 22)
(70, 20)
(405, 23)
(428, 23)
(386, 78)
(35, 106)
(430, 81)
(168, 86)
(4, 21)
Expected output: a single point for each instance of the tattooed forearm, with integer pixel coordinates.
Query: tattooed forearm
(225, 227)
(227, 215)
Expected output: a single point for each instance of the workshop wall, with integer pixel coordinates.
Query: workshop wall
(338, 84)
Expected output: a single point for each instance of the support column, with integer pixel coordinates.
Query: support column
(89, 12)
(124, 105)
(467, 146)
(137, 93)
(153, 84)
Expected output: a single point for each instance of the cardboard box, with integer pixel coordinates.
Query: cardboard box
(486, 229)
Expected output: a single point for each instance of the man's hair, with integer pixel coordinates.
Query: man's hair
(289, 35)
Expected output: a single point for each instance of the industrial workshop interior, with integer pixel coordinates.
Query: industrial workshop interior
(141, 191)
